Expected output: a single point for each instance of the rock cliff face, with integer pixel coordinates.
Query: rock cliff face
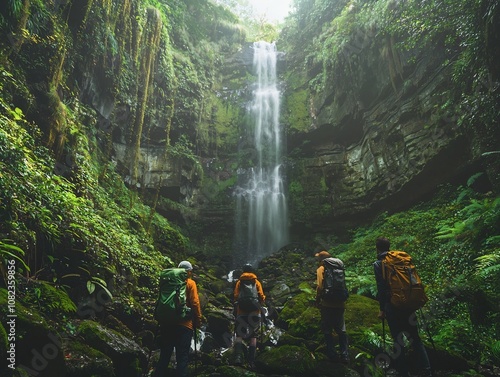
(368, 128)
(377, 140)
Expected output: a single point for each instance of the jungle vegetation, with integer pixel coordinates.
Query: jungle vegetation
(73, 223)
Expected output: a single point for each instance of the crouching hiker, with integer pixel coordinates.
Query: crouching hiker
(248, 300)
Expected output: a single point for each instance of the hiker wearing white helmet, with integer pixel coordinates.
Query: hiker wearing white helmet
(178, 335)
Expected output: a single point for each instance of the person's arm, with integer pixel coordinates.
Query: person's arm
(319, 282)
(236, 291)
(260, 292)
(381, 287)
(194, 302)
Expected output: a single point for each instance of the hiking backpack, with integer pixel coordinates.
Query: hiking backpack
(334, 288)
(171, 304)
(248, 298)
(407, 290)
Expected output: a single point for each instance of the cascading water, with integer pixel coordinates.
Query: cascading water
(262, 212)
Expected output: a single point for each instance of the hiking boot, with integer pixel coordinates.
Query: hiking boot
(251, 357)
(238, 354)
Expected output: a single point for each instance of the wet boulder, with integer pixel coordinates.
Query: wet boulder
(129, 360)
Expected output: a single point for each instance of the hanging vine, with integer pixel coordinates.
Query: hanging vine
(150, 41)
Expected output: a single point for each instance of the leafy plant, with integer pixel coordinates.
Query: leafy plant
(10, 252)
(95, 281)
(49, 298)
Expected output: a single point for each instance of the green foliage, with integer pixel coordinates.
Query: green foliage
(457, 269)
(183, 148)
(74, 213)
(51, 300)
(298, 114)
(11, 252)
(294, 307)
(495, 351)
(289, 360)
(457, 336)
(9, 12)
(361, 284)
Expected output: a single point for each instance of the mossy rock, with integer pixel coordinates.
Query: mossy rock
(294, 308)
(307, 325)
(364, 328)
(287, 339)
(54, 301)
(287, 360)
(42, 353)
(231, 371)
(325, 368)
(361, 314)
(83, 360)
(129, 359)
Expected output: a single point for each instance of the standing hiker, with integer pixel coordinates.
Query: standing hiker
(177, 331)
(400, 312)
(331, 295)
(248, 300)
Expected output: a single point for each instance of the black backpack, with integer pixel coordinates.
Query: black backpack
(334, 288)
(248, 298)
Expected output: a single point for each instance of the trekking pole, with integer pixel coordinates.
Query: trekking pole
(426, 327)
(384, 345)
(261, 326)
(195, 351)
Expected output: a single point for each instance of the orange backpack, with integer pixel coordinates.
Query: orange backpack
(407, 290)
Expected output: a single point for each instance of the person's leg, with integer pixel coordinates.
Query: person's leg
(254, 327)
(326, 328)
(252, 348)
(339, 327)
(241, 329)
(397, 322)
(166, 349)
(418, 345)
(182, 348)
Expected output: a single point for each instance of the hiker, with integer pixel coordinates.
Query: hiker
(248, 301)
(332, 310)
(401, 321)
(178, 335)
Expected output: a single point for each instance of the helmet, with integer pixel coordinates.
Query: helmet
(248, 268)
(186, 265)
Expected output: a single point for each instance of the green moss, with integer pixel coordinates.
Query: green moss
(52, 300)
(361, 313)
(26, 318)
(295, 306)
(83, 360)
(288, 360)
(296, 110)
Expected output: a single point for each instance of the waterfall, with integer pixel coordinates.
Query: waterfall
(261, 206)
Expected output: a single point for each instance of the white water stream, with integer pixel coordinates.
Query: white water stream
(262, 212)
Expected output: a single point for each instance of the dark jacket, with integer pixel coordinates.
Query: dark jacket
(383, 290)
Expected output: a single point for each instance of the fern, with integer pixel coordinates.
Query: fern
(53, 300)
(495, 351)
